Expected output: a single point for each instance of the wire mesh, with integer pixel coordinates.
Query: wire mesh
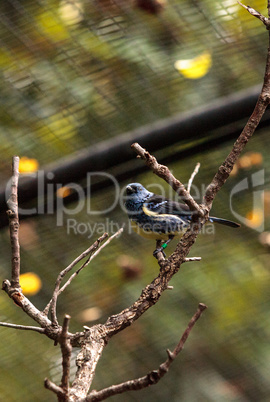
(74, 73)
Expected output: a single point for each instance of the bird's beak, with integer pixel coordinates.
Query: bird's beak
(129, 188)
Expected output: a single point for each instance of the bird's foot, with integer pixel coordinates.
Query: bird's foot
(160, 249)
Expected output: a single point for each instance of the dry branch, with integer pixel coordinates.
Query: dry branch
(54, 388)
(13, 217)
(66, 349)
(93, 340)
(22, 301)
(98, 250)
(52, 304)
(93, 250)
(196, 170)
(256, 14)
(22, 327)
(163, 172)
(155, 375)
(263, 101)
(192, 259)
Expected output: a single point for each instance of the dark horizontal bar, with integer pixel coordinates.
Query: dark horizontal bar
(108, 154)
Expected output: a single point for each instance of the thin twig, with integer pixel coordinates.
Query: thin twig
(89, 260)
(163, 172)
(101, 333)
(191, 259)
(22, 327)
(116, 234)
(256, 14)
(52, 303)
(53, 387)
(79, 258)
(13, 217)
(20, 300)
(66, 349)
(154, 376)
(227, 166)
(196, 170)
(12, 288)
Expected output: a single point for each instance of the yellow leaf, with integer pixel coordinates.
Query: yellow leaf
(30, 283)
(254, 218)
(28, 165)
(63, 192)
(249, 159)
(256, 158)
(244, 162)
(195, 68)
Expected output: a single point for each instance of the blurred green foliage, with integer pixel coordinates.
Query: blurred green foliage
(73, 76)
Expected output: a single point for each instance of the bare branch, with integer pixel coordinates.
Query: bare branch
(52, 303)
(196, 170)
(154, 376)
(116, 234)
(89, 260)
(191, 259)
(22, 301)
(13, 217)
(226, 167)
(13, 288)
(256, 14)
(93, 344)
(94, 339)
(66, 349)
(95, 249)
(22, 327)
(54, 388)
(163, 172)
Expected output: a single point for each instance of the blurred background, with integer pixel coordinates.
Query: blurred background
(80, 82)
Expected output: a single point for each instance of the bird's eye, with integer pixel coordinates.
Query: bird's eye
(130, 190)
(134, 189)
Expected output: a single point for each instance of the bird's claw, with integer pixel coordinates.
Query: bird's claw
(158, 250)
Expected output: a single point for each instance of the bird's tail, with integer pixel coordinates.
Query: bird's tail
(224, 222)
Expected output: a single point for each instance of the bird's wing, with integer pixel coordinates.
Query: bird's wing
(161, 205)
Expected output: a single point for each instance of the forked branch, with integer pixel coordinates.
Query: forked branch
(263, 101)
(155, 375)
(52, 304)
(163, 172)
(93, 340)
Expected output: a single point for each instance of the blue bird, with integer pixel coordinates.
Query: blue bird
(155, 217)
